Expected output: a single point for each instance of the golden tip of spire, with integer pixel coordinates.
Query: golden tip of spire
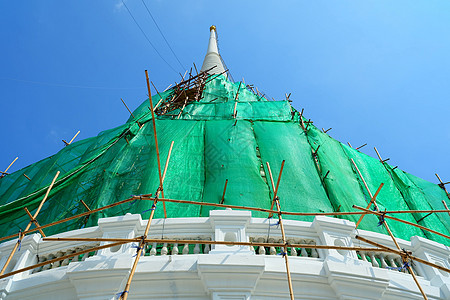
(212, 28)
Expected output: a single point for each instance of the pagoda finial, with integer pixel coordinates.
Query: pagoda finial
(212, 57)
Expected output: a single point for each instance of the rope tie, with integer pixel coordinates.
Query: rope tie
(404, 267)
(120, 295)
(135, 196)
(19, 240)
(137, 249)
(381, 222)
(282, 253)
(276, 224)
(152, 208)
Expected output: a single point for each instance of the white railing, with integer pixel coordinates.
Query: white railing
(237, 224)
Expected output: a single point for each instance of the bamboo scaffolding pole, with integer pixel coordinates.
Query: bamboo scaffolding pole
(280, 222)
(383, 214)
(357, 148)
(370, 204)
(74, 137)
(224, 191)
(194, 77)
(442, 185)
(390, 233)
(22, 235)
(59, 259)
(156, 140)
(405, 261)
(85, 205)
(402, 253)
(362, 178)
(35, 222)
(445, 205)
(286, 260)
(276, 187)
(379, 156)
(131, 113)
(6, 170)
(229, 243)
(141, 246)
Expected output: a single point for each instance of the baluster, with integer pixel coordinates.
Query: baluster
(86, 255)
(399, 261)
(314, 252)
(383, 262)
(374, 261)
(186, 249)
(175, 249)
(164, 250)
(252, 249)
(391, 261)
(261, 249)
(144, 249)
(56, 264)
(67, 260)
(197, 249)
(293, 250)
(303, 251)
(363, 255)
(206, 249)
(40, 259)
(48, 266)
(272, 250)
(153, 251)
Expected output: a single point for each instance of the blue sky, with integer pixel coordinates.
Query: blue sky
(377, 72)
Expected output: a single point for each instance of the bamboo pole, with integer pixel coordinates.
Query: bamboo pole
(59, 259)
(390, 232)
(141, 246)
(224, 191)
(74, 137)
(278, 184)
(402, 253)
(445, 205)
(6, 170)
(286, 260)
(388, 229)
(125, 292)
(442, 185)
(21, 236)
(362, 178)
(35, 222)
(370, 204)
(131, 113)
(156, 140)
(85, 205)
(280, 222)
(383, 214)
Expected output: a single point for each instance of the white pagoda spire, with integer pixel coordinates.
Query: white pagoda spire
(212, 57)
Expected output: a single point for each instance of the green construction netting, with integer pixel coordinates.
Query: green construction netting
(211, 146)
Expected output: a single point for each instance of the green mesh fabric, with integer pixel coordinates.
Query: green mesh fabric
(211, 145)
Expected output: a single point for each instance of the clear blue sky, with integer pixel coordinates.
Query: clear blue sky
(377, 72)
